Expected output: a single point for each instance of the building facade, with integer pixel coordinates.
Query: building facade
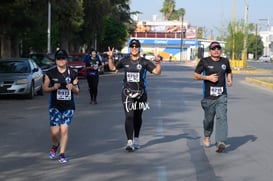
(169, 39)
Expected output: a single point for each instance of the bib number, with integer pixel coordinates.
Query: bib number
(216, 91)
(132, 76)
(64, 94)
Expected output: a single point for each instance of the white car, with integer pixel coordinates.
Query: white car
(149, 56)
(265, 58)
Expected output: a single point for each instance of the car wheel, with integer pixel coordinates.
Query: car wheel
(31, 93)
(40, 91)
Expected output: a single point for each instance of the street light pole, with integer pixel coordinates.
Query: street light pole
(244, 57)
(49, 28)
(182, 34)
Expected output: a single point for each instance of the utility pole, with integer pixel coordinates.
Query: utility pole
(49, 28)
(256, 39)
(181, 44)
(233, 28)
(244, 57)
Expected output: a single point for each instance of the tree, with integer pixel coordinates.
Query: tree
(94, 13)
(115, 34)
(23, 24)
(67, 17)
(235, 38)
(178, 14)
(14, 14)
(255, 45)
(168, 9)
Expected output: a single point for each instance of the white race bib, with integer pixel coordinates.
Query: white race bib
(132, 76)
(96, 67)
(64, 94)
(216, 91)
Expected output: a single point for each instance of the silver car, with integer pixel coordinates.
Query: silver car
(265, 58)
(20, 76)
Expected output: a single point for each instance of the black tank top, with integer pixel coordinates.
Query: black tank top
(62, 98)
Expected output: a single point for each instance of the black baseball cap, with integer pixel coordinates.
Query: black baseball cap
(134, 42)
(61, 54)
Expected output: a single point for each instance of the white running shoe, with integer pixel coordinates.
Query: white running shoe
(220, 146)
(206, 142)
(130, 147)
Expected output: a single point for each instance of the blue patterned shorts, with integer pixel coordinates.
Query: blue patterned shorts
(58, 118)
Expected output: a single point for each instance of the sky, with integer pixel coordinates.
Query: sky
(211, 14)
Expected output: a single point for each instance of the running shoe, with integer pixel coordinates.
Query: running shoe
(206, 142)
(136, 143)
(53, 151)
(62, 158)
(130, 147)
(220, 146)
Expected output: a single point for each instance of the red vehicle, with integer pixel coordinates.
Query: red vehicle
(75, 62)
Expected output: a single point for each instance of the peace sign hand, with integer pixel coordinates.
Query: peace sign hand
(110, 52)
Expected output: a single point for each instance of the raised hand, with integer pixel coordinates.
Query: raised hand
(110, 52)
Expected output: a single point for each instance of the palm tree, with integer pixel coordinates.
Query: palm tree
(168, 9)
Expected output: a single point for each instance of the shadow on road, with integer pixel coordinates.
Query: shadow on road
(239, 141)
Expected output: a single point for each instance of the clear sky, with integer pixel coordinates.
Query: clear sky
(211, 14)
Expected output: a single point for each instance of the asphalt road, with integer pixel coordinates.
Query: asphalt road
(171, 135)
(263, 65)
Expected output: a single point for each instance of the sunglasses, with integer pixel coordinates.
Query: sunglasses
(134, 46)
(216, 48)
(61, 58)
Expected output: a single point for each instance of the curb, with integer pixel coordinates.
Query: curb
(259, 82)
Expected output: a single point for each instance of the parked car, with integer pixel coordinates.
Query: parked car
(104, 59)
(20, 76)
(149, 56)
(75, 62)
(265, 58)
(43, 60)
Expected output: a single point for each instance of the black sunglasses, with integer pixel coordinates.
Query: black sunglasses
(214, 48)
(134, 46)
(61, 58)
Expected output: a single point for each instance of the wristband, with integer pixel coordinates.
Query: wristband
(75, 85)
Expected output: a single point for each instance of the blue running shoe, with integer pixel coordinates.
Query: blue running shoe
(53, 151)
(62, 158)
(136, 144)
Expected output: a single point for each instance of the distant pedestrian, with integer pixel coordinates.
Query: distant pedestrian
(93, 65)
(62, 83)
(134, 93)
(214, 70)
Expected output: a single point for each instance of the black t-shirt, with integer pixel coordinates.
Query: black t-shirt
(96, 63)
(221, 67)
(62, 98)
(135, 72)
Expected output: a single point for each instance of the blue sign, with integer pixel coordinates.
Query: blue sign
(167, 42)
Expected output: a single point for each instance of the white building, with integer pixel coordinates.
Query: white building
(267, 39)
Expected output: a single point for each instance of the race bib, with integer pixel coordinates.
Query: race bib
(216, 91)
(132, 76)
(64, 94)
(96, 67)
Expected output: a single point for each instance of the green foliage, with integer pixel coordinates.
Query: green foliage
(177, 14)
(255, 45)
(235, 41)
(168, 9)
(115, 34)
(77, 23)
